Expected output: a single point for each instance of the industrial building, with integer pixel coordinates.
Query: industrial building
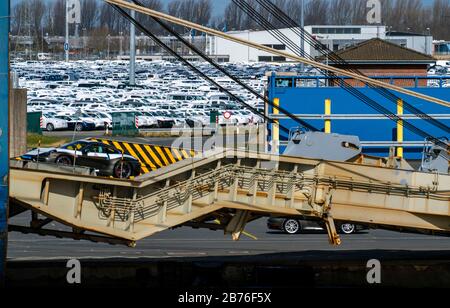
(333, 37)
(442, 49)
(378, 58)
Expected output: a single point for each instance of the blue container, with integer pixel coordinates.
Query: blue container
(306, 96)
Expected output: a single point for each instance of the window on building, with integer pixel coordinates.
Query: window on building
(279, 47)
(336, 30)
(276, 46)
(283, 83)
(271, 59)
(279, 59)
(264, 59)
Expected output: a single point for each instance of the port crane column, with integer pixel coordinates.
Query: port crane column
(4, 140)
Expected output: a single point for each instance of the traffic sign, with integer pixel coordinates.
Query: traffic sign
(66, 46)
(227, 115)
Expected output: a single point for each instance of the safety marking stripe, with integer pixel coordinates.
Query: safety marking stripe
(148, 162)
(159, 155)
(166, 162)
(133, 153)
(117, 146)
(177, 154)
(185, 154)
(152, 154)
(169, 154)
(151, 157)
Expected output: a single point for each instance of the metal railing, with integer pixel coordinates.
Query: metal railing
(334, 82)
(247, 179)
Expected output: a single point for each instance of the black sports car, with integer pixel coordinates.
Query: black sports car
(296, 225)
(106, 160)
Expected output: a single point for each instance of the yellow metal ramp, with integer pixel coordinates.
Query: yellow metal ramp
(235, 187)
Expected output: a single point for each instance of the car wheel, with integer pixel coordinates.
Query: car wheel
(123, 170)
(79, 127)
(50, 127)
(291, 226)
(64, 160)
(348, 228)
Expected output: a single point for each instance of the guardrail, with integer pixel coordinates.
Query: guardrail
(386, 144)
(355, 116)
(333, 82)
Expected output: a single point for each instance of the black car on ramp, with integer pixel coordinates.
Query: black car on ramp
(106, 160)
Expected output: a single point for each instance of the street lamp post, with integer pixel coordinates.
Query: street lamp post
(84, 42)
(121, 38)
(132, 51)
(302, 38)
(66, 43)
(109, 38)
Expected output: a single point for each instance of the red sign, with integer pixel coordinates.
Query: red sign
(227, 115)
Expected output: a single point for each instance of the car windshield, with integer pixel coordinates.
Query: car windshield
(77, 145)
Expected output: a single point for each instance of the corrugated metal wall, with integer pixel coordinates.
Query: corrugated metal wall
(306, 96)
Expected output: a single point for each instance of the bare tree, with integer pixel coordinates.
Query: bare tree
(111, 19)
(147, 21)
(198, 11)
(58, 16)
(234, 17)
(440, 24)
(340, 12)
(203, 9)
(89, 14)
(316, 12)
(28, 20)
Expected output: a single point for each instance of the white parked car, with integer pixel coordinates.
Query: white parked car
(50, 123)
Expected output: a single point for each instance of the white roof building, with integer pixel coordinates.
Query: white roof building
(333, 37)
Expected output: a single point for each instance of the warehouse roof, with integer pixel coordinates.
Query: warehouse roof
(382, 52)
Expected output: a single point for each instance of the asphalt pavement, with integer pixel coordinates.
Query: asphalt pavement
(187, 242)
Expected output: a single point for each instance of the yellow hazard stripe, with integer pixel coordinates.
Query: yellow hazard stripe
(132, 153)
(158, 149)
(169, 154)
(153, 155)
(148, 162)
(177, 154)
(185, 154)
(117, 146)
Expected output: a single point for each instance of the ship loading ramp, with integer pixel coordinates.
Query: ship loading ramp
(227, 188)
(224, 189)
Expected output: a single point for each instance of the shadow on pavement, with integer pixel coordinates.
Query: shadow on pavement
(295, 269)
